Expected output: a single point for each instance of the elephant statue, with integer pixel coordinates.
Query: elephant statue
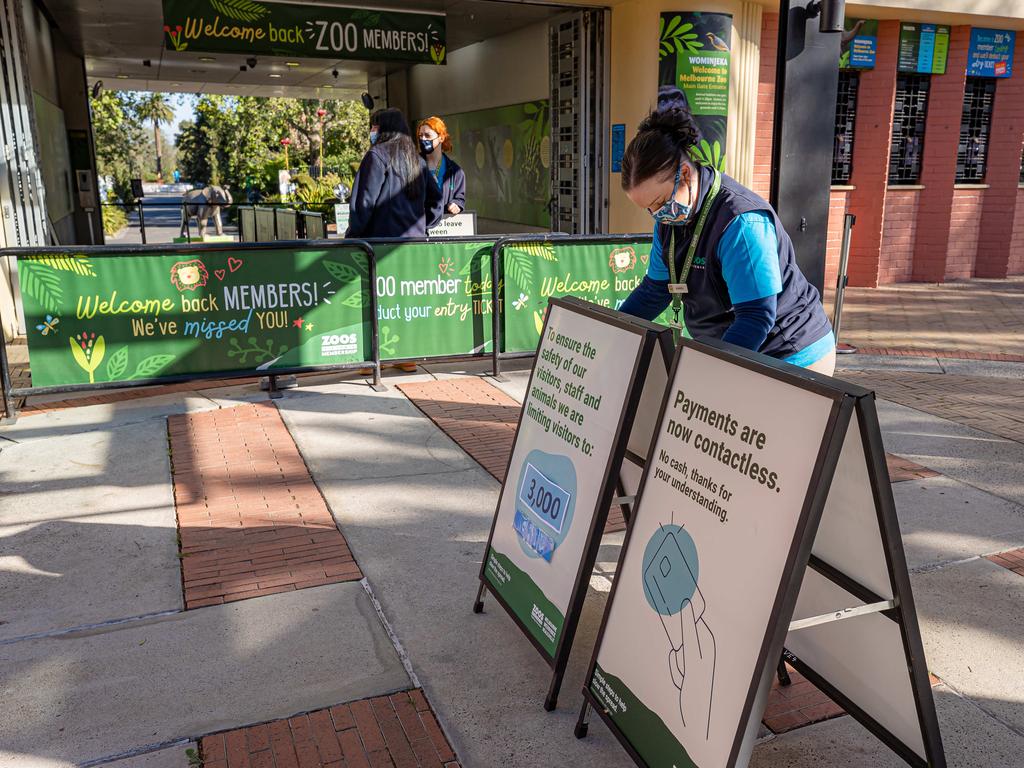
(201, 204)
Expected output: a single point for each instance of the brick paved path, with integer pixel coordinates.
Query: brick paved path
(397, 731)
(993, 405)
(251, 520)
(981, 318)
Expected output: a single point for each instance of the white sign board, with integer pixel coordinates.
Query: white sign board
(341, 213)
(764, 499)
(723, 497)
(568, 430)
(457, 225)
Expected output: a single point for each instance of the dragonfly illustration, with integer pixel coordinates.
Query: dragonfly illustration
(50, 324)
(521, 301)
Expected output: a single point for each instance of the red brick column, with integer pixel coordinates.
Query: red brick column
(938, 170)
(872, 139)
(765, 105)
(1003, 175)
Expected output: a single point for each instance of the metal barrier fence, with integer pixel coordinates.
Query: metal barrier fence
(295, 220)
(410, 300)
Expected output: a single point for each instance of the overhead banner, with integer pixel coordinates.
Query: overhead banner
(859, 44)
(576, 417)
(991, 53)
(147, 316)
(924, 48)
(253, 28)
(734, 491)
(694, 57)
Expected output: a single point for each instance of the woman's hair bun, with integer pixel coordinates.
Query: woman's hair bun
(675, 123)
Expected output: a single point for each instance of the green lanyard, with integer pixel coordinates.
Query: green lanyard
(677, 285)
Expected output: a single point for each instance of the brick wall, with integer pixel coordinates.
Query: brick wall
(1002, 175)
(833, 245)
(938, 168)
(1016, 266)
(872, 137)
(765, 105)
(964, 226)
(899, 228)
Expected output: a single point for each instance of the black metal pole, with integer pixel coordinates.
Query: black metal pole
(371, 258)
(5, 375)
(142, 220)
(495, 317)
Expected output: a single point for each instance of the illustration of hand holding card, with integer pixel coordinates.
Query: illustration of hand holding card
(670, 586)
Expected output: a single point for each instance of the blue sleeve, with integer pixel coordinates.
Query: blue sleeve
(647, 300)
(365, 192)
(749, 253)
(459, 188)
(754, 320)
(433, 203)
(656, 269)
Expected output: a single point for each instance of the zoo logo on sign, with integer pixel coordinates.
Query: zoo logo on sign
(335, 345)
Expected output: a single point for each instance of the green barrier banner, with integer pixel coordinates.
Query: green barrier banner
(153, 315)
(434, 299)
(251, 28)
(602, 274)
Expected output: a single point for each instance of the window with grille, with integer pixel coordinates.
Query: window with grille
(846, 117)
(908, 121)
(972, 151)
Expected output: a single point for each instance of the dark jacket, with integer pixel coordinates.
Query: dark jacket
(379, 206)
(453, 185)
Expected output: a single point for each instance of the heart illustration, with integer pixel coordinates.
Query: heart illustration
(220, 273)
(234, 264)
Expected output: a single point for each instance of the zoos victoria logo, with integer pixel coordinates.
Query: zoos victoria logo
(338, 344)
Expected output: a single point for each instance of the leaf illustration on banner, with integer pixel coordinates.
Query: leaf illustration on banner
(117, 364)
(387, 341)
(260, 352)
(41, 284)
(844, 60)
(356, 300)
(519, 266)
(343, 273)
(544, 251)
(708, 154)
(152, 366)
(240, 10)
(676, 37)
(88, 349)
(80, 265)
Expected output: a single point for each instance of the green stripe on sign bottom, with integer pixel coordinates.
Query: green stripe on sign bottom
(527, 601)
(643, 729)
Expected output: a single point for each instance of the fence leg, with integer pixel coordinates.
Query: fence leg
(273, 391)
(582, 726)
(142, 220)
(478, 605)
(9, 415)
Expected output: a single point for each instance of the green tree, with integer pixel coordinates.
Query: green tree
(119, 138)
(155, 108)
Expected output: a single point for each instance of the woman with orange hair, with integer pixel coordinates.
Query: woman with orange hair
(434, 143)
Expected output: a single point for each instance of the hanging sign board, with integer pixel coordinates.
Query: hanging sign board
(252, 28)
(587, 378)
(991, 53)
(924, 48)
(859, 44)
(717, 550)
(695, 57)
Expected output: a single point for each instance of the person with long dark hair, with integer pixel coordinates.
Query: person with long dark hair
(392, 195)
(720, 252)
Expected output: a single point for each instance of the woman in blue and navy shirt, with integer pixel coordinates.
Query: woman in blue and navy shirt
(435, 143)
(733, 268)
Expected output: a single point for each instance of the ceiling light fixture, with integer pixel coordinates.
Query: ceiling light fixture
(122, 77)
(274, 74)
(291, 63)
(207, 58)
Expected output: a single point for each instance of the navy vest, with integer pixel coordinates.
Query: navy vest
(800, 319)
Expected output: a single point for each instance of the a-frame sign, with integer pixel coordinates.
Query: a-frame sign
(563, 472)
(764, 519)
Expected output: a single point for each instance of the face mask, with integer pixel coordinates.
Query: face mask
(673, 212)
(427, 145)
(373, 137)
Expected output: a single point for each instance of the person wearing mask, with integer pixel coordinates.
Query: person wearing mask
(720, 252)
(435, 142)
(392, 195)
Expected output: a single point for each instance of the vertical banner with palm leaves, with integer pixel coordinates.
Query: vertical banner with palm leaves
(694, 55)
